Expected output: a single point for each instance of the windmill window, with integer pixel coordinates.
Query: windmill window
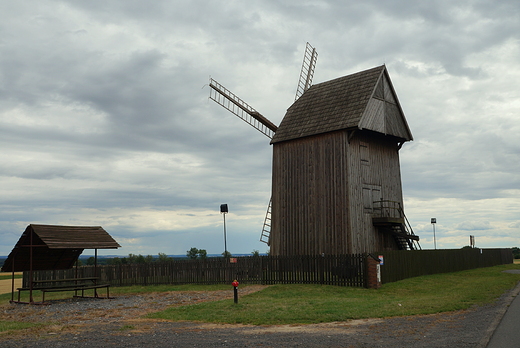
(363, 153)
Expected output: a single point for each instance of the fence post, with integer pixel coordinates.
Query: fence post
(373, 272)
(322, 268)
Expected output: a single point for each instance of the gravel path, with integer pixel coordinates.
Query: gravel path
(118, 322)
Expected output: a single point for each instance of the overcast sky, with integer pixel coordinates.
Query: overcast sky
(105, 117)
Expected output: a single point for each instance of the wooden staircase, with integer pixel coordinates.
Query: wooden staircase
(388, 217)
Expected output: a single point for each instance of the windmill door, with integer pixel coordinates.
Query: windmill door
(371, 194)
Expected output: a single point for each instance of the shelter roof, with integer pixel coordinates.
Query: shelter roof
(364, 100)
(55, 247)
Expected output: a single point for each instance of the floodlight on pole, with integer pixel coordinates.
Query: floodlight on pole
(223, 211)
(434, 221)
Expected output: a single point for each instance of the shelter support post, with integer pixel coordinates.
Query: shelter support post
(96, 273)
(12, 281)
(31, 269)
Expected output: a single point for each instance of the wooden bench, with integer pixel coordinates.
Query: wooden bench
(72, 284)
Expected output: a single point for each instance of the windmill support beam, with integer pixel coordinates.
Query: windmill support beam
(263, 120)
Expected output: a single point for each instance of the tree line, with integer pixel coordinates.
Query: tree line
(192, 254)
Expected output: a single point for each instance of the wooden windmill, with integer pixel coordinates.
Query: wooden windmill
(336, 184)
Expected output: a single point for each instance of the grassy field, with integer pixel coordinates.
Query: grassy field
(305, 304)
(4, 276)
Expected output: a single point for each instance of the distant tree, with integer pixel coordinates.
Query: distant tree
(91, 260)
(255, 252)
(115, 261)
(161, 257)
(516, 252)
(131, 258)
(78, 262)
(227, 254)
(193, 253)
(467, 247)
(203, 254)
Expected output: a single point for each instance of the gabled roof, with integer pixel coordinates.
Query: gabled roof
(85, 237)
(364, 100)
(55, 247)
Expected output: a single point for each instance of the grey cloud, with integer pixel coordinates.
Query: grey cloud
(102, 105)
(474, 225)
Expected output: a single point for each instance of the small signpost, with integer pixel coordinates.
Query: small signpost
(235, 290)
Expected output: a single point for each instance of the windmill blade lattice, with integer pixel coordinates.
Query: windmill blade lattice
(266, 230)
(307, 73)
(227, 99)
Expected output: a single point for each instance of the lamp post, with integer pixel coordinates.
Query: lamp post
(434, 221)
(223, 211)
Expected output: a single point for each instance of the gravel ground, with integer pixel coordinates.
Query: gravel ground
(118, 322)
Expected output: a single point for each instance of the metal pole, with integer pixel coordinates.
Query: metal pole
(225, 239)
(434, 221)
(434, 240)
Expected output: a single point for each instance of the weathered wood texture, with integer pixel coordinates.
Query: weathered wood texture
(364, 100)
(334, 154)
(310, 201)
(323, 190)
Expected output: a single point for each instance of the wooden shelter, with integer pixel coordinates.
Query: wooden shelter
(336, 184)
(50, 247)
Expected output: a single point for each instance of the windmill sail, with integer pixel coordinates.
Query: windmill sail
(307, 73)
(240, 108)
(244, 111)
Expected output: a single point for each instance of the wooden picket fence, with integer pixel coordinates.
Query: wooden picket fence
(342, 270)
(399, 265)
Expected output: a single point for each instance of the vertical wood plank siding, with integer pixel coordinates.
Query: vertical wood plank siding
(317, 197)
(309, 207)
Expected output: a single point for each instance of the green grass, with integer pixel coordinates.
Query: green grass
(305, 304)
(7, 326)
(9, 276)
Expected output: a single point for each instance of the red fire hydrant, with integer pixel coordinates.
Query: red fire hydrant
(235, 290)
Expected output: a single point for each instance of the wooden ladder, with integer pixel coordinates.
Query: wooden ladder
(266, 230)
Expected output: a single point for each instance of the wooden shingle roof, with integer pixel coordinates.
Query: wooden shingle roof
(84, 237)
(55, 247)
(364, 100)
